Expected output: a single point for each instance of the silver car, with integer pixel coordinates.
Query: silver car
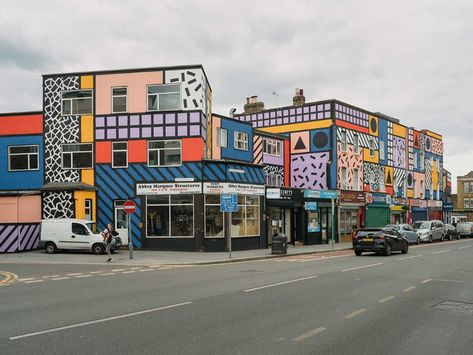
(428, 231)
(407, 231)
(465, 229)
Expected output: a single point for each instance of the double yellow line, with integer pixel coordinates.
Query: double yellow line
(9, 278)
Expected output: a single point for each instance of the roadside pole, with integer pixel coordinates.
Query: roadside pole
(333, 224)
(229, 219)
(228, 204)
(129, 208)
(130, 243)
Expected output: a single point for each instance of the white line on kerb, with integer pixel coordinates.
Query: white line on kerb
(361, 267)
(281, 283)
(410, 257)
(98, 321)
(441, 251)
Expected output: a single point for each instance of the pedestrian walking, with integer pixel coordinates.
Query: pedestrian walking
(107, 238)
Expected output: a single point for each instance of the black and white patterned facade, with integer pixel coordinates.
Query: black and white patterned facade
(428, 174)
(399, 176)
(58, 129)
(411, 149)
(274, 175)
(363, 138)
(58, 204)
(390, 144)
(422, 153)
(373, 174)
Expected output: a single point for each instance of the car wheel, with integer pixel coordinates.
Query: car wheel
(458, 237)
(387, 252)
(98, 249)
(430, 239)
(405, 249)
(358, 252)
(418, 241)
(50, 248)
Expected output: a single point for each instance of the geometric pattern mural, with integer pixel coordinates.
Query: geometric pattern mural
(350, 161)
(274, 174)
(58, 204)
(363, 138)
(309, 171)
(18, 237)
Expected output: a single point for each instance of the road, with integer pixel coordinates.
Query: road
(328, 304)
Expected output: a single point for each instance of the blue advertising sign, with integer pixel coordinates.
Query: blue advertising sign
(228, 203)
(311, 206)
(325, 194)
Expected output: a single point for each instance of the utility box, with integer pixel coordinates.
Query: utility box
(279, 244)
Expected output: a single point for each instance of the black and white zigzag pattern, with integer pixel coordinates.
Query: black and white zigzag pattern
(58, 204)
(363, 138)
(411, 149)
(422, 153)
(399, 176)
(257, 149)
(428, 174)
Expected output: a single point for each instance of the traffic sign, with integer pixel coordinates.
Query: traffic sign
(228, 203)
(129, 207)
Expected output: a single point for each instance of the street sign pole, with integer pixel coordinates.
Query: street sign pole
(130, 243)
(228, 204)
(129, 207)
(229, 219)
(333, 223)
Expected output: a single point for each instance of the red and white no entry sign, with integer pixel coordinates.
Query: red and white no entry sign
(129, 207)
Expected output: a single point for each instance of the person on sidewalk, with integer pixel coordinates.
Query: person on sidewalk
(107, 238)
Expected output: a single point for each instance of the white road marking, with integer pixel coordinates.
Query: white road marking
(410, 257)
(50, 276)
(409, 289)
(98, 321)
(128, 272)
(468, 246)
(76, 274)
(445, 280)
(143, 270)
(117, 270)
(311, 333)
(355, 313)
(81, 276)
(107, 274)
(33, 281)
(385, 299)
(426, 281)
(441, 251)
(96, 272)
(134, 268)
(361, 267)
(281, 283)
(61, 278)
(27, 279)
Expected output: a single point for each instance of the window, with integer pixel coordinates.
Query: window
(164, 97)
(414, 188)
(273, 179)
(214, 221)
(164, 153)
(344, 178)
(77, 102)
(356, 143)
(372, 149)
(395, 187)
(344, 140)
(77, 156)
(23, 157)
(221, 137)
(246, 221)
(241, 140)
(120, 154)
(119, 99)
(272, 147)
(381, 150)
(468, 187)
(88, 209)
(416, 157)
(355, 179)
(170, 216)
(79, 229)
(468, 203)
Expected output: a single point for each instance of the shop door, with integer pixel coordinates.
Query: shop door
(275, 222)
(121, 222)
(325, 225)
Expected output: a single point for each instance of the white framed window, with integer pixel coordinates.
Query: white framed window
(77, 102)
(241, 140)
(344, 141)
(395, 187)
(214, 219)
(344, 178)
(119, 154)
(416, 156)
(372, 148)
(381, 150)
(164, 97)
(246, 221)
(467, 202)
(356, 177)
(272, 147)
(164, 153)
(222, 137)
(356, 143)
(23, 157)
(77, 156)
(88, 209)
(468, 187)
(119, 99)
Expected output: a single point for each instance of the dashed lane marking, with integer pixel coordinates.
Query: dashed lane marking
(281, 283)
(143, 270)
(409, 289)
(134, 268)
(310, 333)
(441, 251)
(468, 246)
(76, 274)
(82, 276)
(61, 278)
(27, 279)
(107, 274)
(361, 267)
(355, 313)
(95, 272)
(426, 281)
(50, 276)
(410, 257)
(386, 299)
(33, 281)
(117, 270)
(128, 272)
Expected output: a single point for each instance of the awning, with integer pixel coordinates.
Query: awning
(68, 186)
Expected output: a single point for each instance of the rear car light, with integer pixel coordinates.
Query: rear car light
(381, 237)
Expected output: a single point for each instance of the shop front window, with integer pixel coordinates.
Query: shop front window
(170, 216)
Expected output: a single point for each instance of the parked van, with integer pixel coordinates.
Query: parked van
(429, 231)
(72, 234)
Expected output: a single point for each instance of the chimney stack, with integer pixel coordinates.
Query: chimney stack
(299, 99)
(252, 105)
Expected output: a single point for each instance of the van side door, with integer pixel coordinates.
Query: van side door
(79, 236)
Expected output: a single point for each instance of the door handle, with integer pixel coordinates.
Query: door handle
(73, 236)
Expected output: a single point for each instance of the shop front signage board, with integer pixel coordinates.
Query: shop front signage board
(311, 206)
(233, 188)
(322, 194)
(352, 197)
(172, 188)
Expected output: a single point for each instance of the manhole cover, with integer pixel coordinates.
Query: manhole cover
(461, 307)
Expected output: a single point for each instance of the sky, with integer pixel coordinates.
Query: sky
(410, 59)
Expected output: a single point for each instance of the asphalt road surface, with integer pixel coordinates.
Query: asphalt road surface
(419, 303)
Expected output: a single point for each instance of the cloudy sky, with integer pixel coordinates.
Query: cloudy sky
(410, 59)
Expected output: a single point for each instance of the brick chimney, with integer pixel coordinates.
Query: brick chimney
(252, 105)
(299, 99)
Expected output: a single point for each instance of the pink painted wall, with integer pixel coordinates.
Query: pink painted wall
(216, 151)
(419, 177)
(137, 93)
(24, 209)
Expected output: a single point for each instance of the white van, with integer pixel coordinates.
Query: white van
(73, 234)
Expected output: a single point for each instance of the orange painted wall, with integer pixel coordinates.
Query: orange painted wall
(28, 124)
(216, 150)
(137, 151)
(137, 89)
(192, 149)
(103, 152)
(22, 209)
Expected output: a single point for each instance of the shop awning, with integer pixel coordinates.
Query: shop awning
(68, 186)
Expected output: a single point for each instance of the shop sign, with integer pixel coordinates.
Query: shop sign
(399, 201)
(282, 194)
(228, 203)
(352, 197)
(448, 206)
(377, 198)
(311, 206)
(273, 193)
(434, 203)
(232, 188)
(323, 194)
(313, 222)
(172, 188)
(418, 203)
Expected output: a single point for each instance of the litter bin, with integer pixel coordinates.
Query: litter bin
(279, 244)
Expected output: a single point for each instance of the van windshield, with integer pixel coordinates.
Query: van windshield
(421, 225)
(93, 227)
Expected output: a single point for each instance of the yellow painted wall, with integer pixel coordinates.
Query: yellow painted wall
(399, 130)
(295, 127)
(434, 135)
(88, 176)
(368, 158)
(435, 175)
(87, 82)
(390, 170)
(410, 193)
(80, 197)
(87, 129)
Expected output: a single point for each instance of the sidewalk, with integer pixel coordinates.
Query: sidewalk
(149, 257)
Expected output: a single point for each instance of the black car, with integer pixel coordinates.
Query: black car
(379, 240)
(451, 232)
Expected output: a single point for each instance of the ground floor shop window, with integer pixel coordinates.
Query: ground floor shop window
(214, 221)
(348, 221)
(246, 221)
(313, 224)
(170, 216)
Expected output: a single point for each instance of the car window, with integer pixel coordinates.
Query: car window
(93, 227)
(79, 229)
(421, 225)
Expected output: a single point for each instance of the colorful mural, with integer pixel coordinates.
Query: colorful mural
(309, 171)
(350, 160)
